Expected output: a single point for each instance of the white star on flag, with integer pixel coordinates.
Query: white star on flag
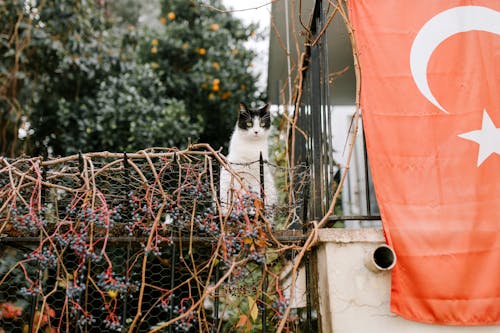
(488, 138)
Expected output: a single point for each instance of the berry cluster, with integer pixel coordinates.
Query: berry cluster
(113, 322)
(29, 219)
(279, 306)
(166, 302)
(185, 324)
(119, 285)
(45, 257)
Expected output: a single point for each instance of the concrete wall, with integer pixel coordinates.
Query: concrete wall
(355, 300)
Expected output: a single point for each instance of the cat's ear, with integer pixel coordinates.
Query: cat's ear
(243, 107)
(264, 110)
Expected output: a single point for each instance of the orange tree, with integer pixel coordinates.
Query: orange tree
(79, 76)
(201, 57)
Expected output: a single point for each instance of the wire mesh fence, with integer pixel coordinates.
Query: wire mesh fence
(139, 243)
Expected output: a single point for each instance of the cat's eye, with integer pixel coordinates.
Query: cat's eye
(249, 124)
(262, 124)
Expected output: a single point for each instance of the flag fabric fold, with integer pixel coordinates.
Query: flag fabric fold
(430, 100)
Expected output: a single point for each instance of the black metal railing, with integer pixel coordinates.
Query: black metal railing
(316, 117)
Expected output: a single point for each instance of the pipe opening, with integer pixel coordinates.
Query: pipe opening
(382, 258)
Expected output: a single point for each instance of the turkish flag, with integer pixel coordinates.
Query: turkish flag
(430, 100)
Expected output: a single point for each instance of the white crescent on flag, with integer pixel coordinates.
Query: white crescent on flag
(438, 29)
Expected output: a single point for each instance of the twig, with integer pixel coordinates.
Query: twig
(237, 10)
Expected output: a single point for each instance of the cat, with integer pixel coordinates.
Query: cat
(249, 139)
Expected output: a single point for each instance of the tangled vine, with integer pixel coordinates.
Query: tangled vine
(137, 243)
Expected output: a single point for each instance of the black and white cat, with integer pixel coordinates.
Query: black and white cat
(249, 139)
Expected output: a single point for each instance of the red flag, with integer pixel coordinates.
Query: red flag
(430, 98)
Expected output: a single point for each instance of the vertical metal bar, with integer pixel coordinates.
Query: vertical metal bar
(216, 300)
(127, 268)
(126, 171)
(80, 168)
(80, 161)
(172, 285)
(300, 142)
(217, 275)
(315, 134)
(263, 299)
(316, 97)
(324, 82)
(127, 216)
(32, 313)
(367, 179)
(308, 294)
(264, 276)
(324, 143)
(326, 150)
(323, 64)
(305, 210)
(126, 204)
(43, 189)
(42, 203)
(261, 173)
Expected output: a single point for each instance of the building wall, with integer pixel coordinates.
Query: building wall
(353, 299)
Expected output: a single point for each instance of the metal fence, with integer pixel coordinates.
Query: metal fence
(316, 117)
(137, 243)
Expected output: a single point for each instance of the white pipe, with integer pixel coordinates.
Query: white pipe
(382, 258)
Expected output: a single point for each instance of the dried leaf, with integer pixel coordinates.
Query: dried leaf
(62, 283)
(252, 306)
(243, 321)
(258, 204)
(112, 293)
(260, 242)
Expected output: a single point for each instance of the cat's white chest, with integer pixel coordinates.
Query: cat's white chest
(243, 158)
(245, 150)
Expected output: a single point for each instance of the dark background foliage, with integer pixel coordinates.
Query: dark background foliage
(87, 75)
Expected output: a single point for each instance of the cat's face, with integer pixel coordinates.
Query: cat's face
(254, 123)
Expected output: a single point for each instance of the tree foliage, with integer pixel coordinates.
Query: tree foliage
(201, 57)
(80, 76)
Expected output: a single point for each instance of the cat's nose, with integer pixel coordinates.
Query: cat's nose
(256, 132)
